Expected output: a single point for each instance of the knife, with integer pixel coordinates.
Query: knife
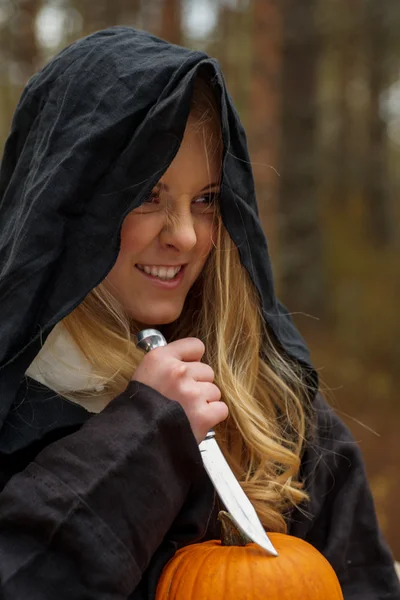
(227, 486)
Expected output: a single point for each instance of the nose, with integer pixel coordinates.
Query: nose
(179, 231)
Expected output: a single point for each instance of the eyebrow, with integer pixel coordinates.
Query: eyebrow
(164, 186)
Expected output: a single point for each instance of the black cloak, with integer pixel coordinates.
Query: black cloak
(92, 506)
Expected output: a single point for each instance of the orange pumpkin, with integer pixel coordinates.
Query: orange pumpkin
(229, 569)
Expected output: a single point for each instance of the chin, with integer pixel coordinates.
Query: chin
(160, 321)
(158, 317)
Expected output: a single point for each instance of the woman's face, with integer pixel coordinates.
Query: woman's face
(166, 241)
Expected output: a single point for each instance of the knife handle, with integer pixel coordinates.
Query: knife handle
(147, 340)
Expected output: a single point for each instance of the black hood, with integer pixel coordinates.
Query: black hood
(93, 132)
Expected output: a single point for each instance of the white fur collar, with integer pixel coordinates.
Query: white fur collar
(62, 367)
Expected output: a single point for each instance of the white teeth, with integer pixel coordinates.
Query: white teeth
(164, 273)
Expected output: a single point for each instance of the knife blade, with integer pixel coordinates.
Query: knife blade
(231, 493)
(226, 485)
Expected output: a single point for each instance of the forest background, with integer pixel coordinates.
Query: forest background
(317, 85)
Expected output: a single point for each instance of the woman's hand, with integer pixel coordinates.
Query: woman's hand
(176, 372)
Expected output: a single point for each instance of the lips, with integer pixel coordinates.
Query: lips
(163, 272)
(160, 282)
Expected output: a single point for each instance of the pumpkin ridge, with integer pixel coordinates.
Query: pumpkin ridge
(205, 558)
(173, 563)
(181, 576)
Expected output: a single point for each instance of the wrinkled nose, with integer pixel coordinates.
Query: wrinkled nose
(179, 231)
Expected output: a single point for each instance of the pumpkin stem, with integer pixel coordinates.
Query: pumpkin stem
(231, 534)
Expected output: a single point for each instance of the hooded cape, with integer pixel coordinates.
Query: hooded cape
(93, 132)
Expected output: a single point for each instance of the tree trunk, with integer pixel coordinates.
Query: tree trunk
(377, 196)
(98, 15)
(301, 256)
(343, 162)
(130, 13)
(170, 26)
(234, 50)
(24, 49)
(264, 113)
(7, 101)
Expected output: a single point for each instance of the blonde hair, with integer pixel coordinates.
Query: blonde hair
(263, 438)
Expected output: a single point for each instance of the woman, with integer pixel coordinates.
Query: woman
(127, 201)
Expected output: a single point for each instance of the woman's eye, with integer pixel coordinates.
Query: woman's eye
(206, 202)
(153, 198)
(150, 204)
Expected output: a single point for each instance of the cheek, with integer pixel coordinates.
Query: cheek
(207, 236)
(129, 235)
(137, 232)
(134, 238)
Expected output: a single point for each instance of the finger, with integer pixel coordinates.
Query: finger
(200, 371)
(187, 349)
(217, 412)
(209, 392)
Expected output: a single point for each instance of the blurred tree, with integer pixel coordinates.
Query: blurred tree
(23, 45)
(264, 113)
(98, 15)
(376, 192)
(6, 103)
(235, 52)
(345, 50)
(20, 55)
(130, 12)
(301, 254)
(170, 25)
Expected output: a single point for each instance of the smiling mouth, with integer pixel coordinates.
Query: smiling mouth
(163, 273)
